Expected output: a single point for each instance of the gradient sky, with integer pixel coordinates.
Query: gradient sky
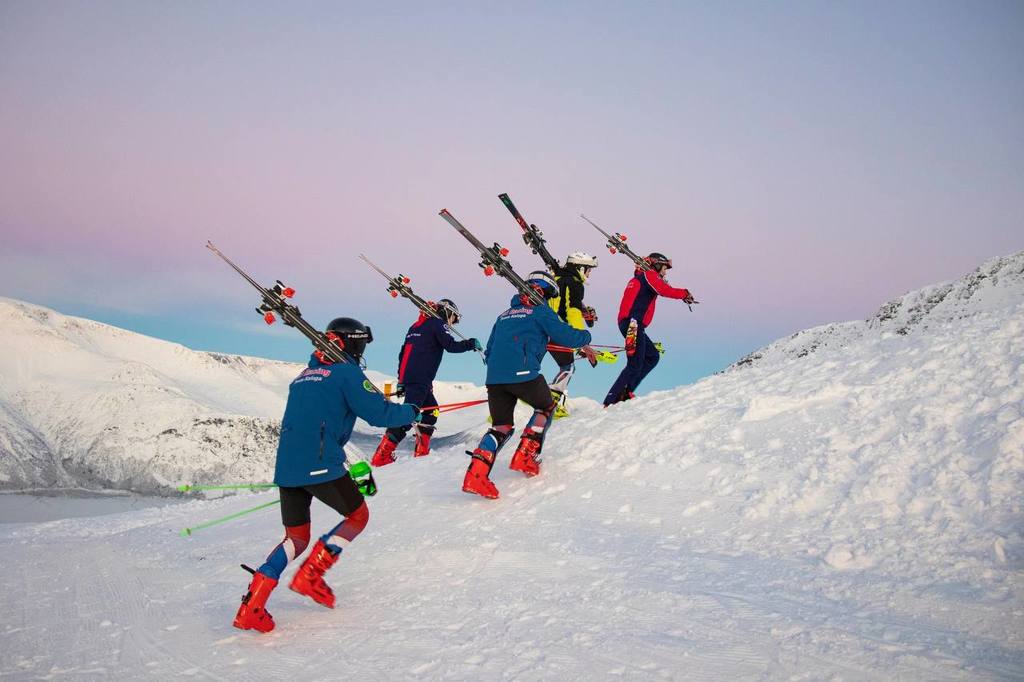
(801, 162)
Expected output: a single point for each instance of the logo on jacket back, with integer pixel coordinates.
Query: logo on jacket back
(517, 313)
(368, 386)
(312, 374)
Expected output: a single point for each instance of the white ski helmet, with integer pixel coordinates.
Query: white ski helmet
(583, 262)
(581, 258)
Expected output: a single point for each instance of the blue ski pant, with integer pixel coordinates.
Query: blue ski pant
(638, 365)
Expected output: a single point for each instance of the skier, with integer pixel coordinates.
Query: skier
(323, 403)
(418, 362)
(571, 279)
(637, 311)
(514, 352)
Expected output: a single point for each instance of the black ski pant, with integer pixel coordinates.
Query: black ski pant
(341, 495)
(502, 398)
(564, 358)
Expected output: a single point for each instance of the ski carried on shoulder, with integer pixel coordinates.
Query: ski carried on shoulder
(532, 236)
(399, 286)
(493, 259)
(275, 303)
(617, 243)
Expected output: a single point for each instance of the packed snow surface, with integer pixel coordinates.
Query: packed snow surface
(850, 512)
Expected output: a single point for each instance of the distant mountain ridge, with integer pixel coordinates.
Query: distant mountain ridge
(996, 283)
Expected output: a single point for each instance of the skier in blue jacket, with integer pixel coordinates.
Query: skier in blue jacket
(323, 403)
(418, 361)
(515, 349)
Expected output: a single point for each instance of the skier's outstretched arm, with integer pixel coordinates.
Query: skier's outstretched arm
(450, 343)
(663, 288)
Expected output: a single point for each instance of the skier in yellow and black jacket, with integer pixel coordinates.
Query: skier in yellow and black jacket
(568, 305)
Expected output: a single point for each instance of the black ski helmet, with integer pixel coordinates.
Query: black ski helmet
(352, 334)
(656, 259)
(447, 309)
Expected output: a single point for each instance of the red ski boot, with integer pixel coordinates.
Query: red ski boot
(477, 481)
(252, 614)
(525, 459)
(422, 444)
(309, 579)
(385, 453)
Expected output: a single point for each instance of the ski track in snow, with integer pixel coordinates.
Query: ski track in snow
(851, 514)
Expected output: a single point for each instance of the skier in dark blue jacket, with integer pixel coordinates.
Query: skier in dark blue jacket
(323, 403)
(515, 349)
(418, 362)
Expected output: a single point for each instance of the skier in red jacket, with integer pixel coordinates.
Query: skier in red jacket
(637, 310)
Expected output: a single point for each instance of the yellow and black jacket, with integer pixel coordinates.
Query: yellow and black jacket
(569, 304)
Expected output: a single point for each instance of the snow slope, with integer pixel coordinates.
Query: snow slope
(83, 404)
(854, 512)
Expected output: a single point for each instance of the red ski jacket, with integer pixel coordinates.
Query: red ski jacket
(642, 293)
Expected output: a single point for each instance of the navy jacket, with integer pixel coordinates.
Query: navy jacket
(323, 403)
(425, 343)
(519, 340)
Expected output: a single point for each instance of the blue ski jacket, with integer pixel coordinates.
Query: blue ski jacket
(425, 343)
(323, 403)
(519, 340)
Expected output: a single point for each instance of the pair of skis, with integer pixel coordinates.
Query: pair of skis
(617, 244)
(275, 303)
(398, 285)
(494, 259)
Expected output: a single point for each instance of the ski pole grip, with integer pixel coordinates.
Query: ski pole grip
(362, 475)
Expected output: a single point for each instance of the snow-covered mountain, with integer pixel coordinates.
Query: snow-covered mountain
(84, 404)
(997, 285)
(849, 512)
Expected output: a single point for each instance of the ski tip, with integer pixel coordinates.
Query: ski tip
(184, 488)
(185, 532)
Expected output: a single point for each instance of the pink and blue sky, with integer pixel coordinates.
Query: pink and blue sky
(801, 162)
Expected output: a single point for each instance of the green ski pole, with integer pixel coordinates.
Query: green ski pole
(185, 532)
